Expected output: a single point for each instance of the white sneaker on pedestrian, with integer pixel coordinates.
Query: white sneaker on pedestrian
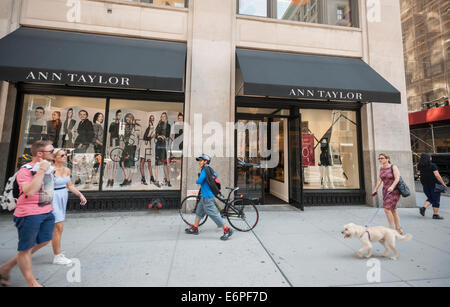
(61, 259)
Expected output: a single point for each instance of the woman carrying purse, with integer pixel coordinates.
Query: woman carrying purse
(389, 177)
(429, 177)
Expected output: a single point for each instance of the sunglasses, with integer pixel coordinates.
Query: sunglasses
(62, 156)
(50, 151)
(381, 158)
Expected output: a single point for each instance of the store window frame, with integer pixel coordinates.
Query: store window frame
(356, 196)
(272, 13)
(356, 122)
(140, 2)
(24, 89)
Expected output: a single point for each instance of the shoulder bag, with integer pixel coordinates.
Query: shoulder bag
(439, 188)
(401, 186)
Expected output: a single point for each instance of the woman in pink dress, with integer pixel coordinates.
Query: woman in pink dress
(389, 176)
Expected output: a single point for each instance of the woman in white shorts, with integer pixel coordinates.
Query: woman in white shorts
(63, 184)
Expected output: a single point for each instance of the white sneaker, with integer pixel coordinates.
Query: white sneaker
(61, 259)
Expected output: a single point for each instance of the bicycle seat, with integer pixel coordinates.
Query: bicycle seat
(233, 189)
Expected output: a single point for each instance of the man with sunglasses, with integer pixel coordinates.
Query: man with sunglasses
(33, 214)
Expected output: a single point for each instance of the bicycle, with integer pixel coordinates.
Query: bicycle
(241, 213)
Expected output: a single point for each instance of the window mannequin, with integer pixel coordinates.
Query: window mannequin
(326, 162)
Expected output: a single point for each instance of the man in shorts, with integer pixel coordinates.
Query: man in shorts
(33, 214)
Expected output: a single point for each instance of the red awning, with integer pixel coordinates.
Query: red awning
(429, 116)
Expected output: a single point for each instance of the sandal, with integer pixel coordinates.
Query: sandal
(4, 282)
(400, 231)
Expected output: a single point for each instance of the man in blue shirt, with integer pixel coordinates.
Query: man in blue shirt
(206, 204)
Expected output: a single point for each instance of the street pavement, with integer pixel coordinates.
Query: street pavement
(287, 248)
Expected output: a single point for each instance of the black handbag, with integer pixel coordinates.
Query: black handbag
(401, 186)
(439, 188)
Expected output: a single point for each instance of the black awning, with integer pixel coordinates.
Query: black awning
(49, 56)
(288, 75)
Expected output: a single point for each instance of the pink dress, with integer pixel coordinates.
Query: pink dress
(389, 200)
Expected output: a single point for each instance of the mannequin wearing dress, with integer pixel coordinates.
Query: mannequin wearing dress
(326, 162)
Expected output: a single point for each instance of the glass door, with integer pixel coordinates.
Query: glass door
(295, 160)
(250, 175)
(261, 153)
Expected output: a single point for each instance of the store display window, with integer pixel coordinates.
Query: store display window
(138, 147)
(329, 149)
(144, 145)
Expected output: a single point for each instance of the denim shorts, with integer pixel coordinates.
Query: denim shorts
(34, 229)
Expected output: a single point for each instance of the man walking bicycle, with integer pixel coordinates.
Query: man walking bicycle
(206, 204)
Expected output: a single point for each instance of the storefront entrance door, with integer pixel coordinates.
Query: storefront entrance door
(261, 161)
(295, 161)
(250, 175)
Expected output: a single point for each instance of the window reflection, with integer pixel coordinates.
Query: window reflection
(172, 3)
(338, 13)
(253, 7)
(332, 12)
(298, 10)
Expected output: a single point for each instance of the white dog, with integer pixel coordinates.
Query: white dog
(386, 236)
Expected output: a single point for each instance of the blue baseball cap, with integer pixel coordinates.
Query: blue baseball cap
(204, 158)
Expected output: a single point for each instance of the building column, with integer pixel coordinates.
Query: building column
(385, 126)
(210, 89)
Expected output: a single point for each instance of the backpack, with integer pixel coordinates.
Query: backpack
(213, 180)
(8, 200)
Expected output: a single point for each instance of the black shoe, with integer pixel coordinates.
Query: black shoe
(129, 182)
(125, 182)
(226, 235)
(152, 180)
(422, 211)
(437, 217)
(143, 181)
(77, 181)
(191, 231)
(112, 183)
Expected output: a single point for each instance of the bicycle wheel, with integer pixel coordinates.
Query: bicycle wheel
(242, 214)
(188, 208)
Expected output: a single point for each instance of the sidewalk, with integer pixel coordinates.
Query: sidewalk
(287, 248)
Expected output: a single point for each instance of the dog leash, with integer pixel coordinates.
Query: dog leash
(373, 217)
